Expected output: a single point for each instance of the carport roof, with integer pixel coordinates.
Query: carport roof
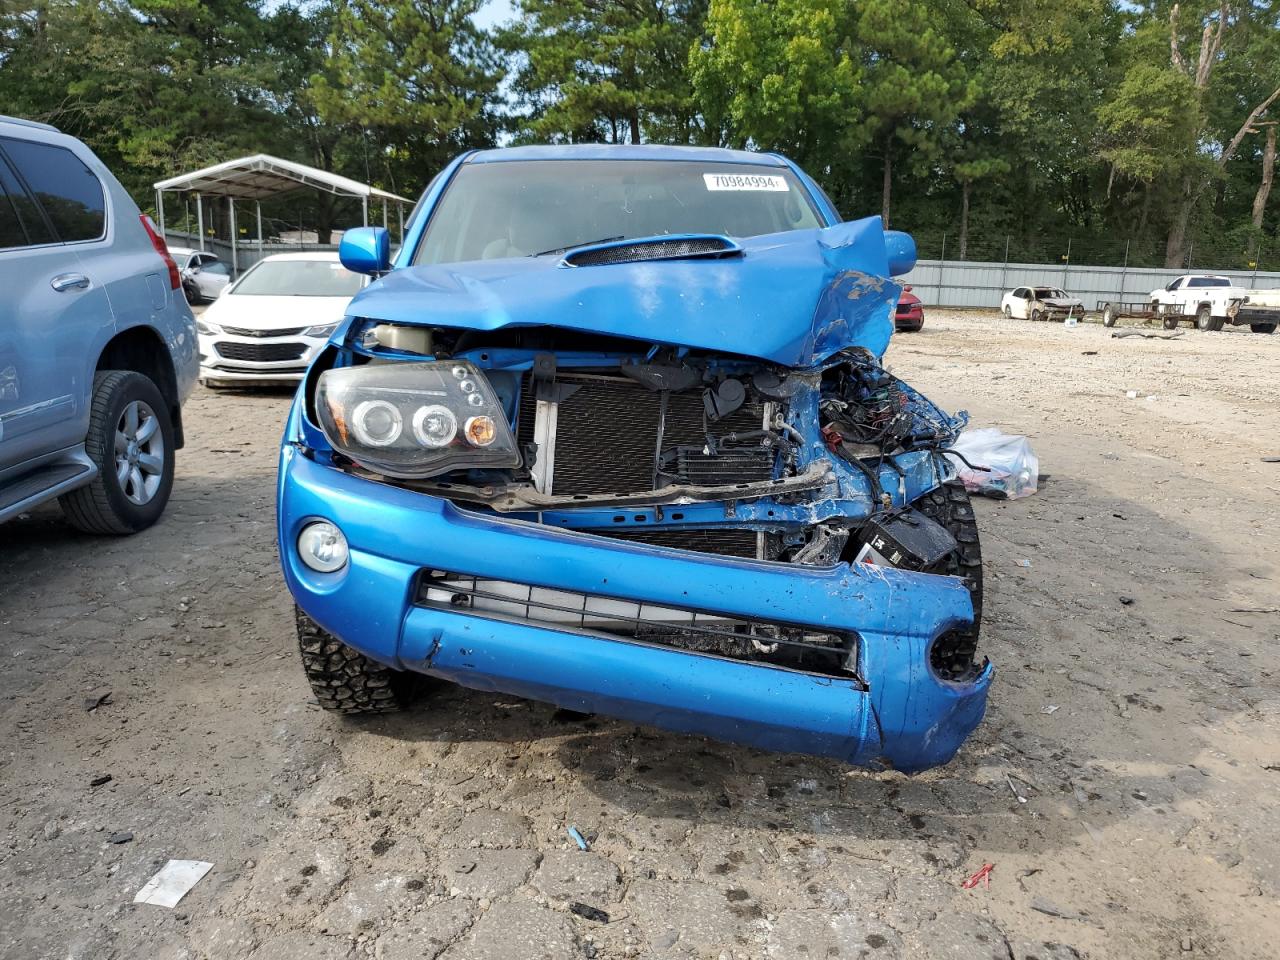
(260, 176)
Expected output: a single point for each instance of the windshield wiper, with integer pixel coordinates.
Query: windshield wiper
(575, 246)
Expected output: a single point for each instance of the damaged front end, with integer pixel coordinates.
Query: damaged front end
(762, 543)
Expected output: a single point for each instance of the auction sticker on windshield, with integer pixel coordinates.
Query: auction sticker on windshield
(744, 181)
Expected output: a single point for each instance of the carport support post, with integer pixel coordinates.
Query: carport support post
(200, 218)
(1124, 271)
(257, 209)
(160, 212)
(364, 210)
(235, 263)
(400, 217)
(384, 213)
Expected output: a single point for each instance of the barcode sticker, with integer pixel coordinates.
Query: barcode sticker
(745, 181)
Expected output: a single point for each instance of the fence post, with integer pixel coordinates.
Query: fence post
(1257, 258)
(1124, 271)
(1004, 269)
(1191, 249)
(942, 265)
(1066, 270)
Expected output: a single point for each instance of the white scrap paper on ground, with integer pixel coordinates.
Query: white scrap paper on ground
(172, 882)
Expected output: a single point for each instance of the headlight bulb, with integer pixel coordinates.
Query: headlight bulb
(481, 431)
(475, 399)
(376, 423)
(435, 426)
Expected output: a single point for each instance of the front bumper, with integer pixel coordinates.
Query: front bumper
(896, 713)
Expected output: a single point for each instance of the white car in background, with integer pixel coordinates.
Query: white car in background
(1040, 303)
(267, 326)
(204, 276)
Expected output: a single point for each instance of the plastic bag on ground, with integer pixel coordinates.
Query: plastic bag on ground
(1014, 468)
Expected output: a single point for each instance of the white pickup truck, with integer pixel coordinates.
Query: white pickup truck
(1212, 301)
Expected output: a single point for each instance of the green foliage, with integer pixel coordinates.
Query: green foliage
(603, 70)
(417, 75)
(1040, 119)
(783, 77)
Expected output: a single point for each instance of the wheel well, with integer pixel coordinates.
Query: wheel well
(141, 350)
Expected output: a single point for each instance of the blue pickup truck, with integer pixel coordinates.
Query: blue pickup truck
(97, 344)
(611, 431)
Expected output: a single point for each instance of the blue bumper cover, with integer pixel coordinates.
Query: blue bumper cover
(897, 713)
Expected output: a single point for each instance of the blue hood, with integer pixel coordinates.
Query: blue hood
(791, 298)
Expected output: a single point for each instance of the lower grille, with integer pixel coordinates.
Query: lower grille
(780, 644)
(261, 352)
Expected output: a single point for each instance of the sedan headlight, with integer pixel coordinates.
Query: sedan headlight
(415, 420)
(321, 330)
(208, 328)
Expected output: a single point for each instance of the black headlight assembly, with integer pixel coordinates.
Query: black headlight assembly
(415, 420)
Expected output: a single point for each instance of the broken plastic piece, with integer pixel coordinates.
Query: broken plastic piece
(589, 912)
(579, 839)
(982, 875)
(172, 882)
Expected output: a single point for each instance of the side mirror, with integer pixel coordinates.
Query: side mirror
(366, 250)
(901, 250)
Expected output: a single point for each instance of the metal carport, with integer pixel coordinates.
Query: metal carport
(260, 176)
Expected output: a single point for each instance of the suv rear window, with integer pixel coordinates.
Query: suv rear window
(69, 192)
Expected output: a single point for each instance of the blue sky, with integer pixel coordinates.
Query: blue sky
(493, 13)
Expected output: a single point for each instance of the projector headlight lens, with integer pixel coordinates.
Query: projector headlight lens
(415, 420)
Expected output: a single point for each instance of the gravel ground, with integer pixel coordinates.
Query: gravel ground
(1135, 709)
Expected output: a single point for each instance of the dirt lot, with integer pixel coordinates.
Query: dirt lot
(1135, 709)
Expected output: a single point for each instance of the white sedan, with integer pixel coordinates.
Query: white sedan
(267, 326)
(1040, 303)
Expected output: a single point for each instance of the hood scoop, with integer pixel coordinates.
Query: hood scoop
(691, 247)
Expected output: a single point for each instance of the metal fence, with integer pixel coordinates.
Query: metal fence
(970, 284)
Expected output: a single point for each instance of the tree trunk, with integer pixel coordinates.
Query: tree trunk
(965, 186)
(887, 186)
(635, 128)
(1268, 172)
(1175, 249)
(1146, 210)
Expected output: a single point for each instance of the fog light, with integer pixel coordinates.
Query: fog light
(322, 547)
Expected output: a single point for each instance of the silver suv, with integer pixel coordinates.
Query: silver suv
(98, 347)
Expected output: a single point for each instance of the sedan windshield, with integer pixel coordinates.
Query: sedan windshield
(299, 278)
(1050, 293)
(529, 207)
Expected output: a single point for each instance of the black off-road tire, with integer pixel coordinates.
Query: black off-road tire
(1262, 327)
(1205, 320)
(953, 656)
(103, 507)
(1170, 323)
(344, 680)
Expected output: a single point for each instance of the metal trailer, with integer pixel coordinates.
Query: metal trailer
(1169, 315)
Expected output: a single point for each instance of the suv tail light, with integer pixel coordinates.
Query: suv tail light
(157, 241)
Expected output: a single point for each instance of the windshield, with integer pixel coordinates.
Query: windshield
(1208, 282)
(299, 278)
(1049, 293)
(527, 207)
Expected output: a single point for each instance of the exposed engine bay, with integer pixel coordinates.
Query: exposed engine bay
(677, 449)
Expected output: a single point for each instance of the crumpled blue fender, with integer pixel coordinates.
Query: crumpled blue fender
(792, 298)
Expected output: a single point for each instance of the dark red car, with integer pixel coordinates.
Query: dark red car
(910, 313)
